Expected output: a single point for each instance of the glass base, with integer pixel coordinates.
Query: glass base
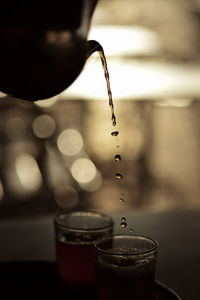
(36, 279)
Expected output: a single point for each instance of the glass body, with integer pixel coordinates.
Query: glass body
(76, 233)
(125, 266)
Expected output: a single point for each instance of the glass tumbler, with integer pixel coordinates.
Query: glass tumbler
(125, 267)
(76, 232)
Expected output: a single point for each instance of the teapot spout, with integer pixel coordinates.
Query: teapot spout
(91, 47)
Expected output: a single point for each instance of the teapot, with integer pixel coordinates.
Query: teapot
(43, 48)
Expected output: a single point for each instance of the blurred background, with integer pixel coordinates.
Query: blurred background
(59, 152)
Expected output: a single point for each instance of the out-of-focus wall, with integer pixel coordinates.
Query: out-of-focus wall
(59, 153)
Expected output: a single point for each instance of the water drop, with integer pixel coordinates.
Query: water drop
(114, 133)
(123, 224)
(118, 158)
(118, 176)
(123, 219)
(122, 200)
(131, 229)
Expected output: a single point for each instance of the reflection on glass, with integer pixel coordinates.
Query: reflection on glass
(1, 191)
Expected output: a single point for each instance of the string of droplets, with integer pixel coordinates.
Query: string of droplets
(119, 176)
(117, 157)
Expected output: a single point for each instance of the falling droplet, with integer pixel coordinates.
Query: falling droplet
(131, 229)
(118, 158)
(122, 200)
(113, 120)
(118, 176)
(123, 224)
(114, 133)
(123, 219)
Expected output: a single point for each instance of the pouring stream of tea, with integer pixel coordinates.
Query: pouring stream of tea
(117, 157)
(104, 64)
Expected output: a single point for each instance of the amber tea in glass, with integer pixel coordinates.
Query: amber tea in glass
(125, 267)
(76, 232)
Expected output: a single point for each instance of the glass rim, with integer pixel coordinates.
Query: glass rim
(83, 213)
(111, 252)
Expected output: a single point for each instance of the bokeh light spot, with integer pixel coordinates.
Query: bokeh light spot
(83, 170)
(28, 172)
(70, 142)
(44, 126)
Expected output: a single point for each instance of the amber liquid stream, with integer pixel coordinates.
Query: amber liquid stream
(115, 133)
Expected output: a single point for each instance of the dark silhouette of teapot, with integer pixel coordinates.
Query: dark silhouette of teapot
(43, 45)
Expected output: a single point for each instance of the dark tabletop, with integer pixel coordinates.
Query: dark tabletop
(177, 232)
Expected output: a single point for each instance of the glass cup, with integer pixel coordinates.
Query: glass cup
(125, 267)
(76, 232)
